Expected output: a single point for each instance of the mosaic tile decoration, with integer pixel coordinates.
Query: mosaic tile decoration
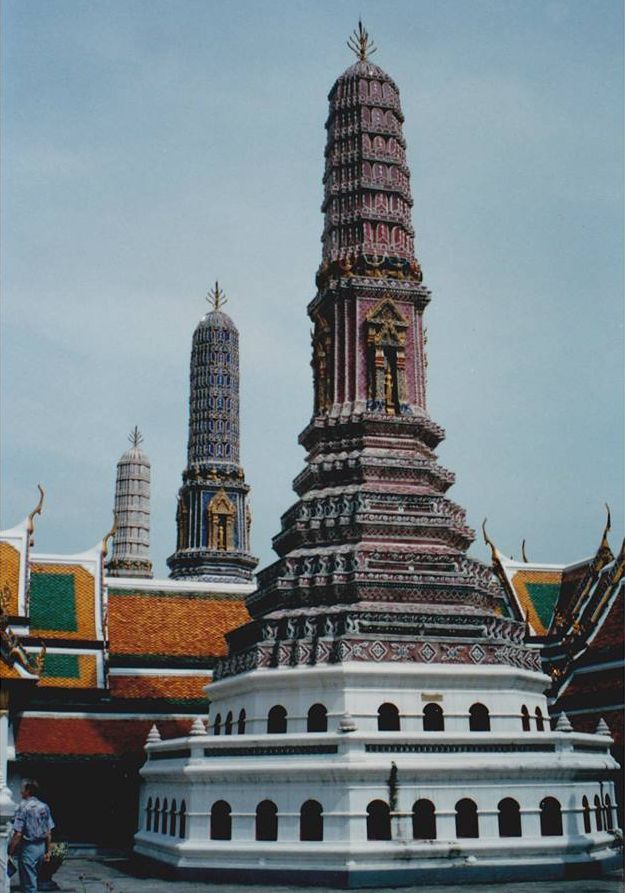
(62, 602)
(537, 592)
(69, 670)
(10, 576)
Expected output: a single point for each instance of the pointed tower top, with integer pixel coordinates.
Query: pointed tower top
(360, 44)
(216, 297)
(198, 727)
(154, 736)
(602, 727)
(135, 437)
(564, 723)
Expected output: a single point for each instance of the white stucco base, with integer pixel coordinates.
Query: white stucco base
(345, 771)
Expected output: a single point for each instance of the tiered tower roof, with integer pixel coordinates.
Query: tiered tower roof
(367, 200)
(372, 557)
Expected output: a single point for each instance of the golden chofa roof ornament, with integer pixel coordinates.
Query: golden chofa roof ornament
(108, 537)
(216, 297)
(360, 44)
(35, 511)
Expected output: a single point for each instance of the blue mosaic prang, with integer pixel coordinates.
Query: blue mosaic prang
(214, 399)
(213, 517)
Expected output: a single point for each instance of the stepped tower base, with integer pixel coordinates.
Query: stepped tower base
(353, 764)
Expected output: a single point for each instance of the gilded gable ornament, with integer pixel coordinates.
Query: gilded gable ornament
(221, 514)
(386, 339)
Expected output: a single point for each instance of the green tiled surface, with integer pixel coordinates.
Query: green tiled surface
(544, 597)
(53, 602)
(63, 666)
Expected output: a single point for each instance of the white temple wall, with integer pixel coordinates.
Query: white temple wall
(345, 791)
(360, 690)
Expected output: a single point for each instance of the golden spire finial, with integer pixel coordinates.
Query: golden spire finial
(360, 44)
(216, 297)
(135, 437)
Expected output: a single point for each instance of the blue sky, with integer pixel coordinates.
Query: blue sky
(152, 147)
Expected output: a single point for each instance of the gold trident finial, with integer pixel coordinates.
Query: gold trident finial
(135, 437)
(360, 44)
(216, 297)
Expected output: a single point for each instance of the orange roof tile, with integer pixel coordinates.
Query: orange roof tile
(10, 576)
(172, 625)
(170, 687)
(73, 736)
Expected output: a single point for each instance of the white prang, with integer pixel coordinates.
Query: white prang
(131, 544)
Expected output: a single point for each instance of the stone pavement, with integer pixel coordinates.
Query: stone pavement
(121, 876)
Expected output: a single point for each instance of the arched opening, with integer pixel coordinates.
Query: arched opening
(217, 725)
(540, 722)
(228, 724)
(378, 821)
(182, 827)
(172, 819)
(433, 718)
(311, 821)
(221, 821)
(609, 819)
(148, 815)
(317, 721)
(164, 817)
(509, 818)
(586, 815)
(424, 820)
(276, 720)
(241, 723)
(157, 815)
(266, 821)
(525, 719)
(550, 817)
(479, 718)
(466, 819)
(388, 718)
(598, 814)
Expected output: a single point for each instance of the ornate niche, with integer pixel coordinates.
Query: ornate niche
(220, 513)
(322, 365)
(386, 358)
(182, 524)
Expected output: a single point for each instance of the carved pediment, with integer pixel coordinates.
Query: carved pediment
(386, 312)
(221, 505)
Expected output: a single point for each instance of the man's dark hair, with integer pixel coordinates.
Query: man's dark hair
(30, 786)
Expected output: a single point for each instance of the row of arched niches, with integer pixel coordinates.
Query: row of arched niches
(366, 90)
(163, 817)
(388, 720)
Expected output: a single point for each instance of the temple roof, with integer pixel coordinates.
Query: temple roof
(190, 626)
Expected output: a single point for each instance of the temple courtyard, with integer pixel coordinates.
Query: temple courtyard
(86, 875)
